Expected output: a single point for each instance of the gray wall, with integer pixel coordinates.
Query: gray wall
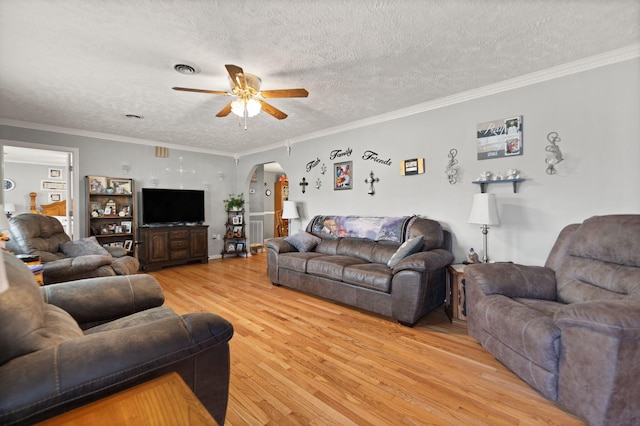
(104, 158)
(595, 113)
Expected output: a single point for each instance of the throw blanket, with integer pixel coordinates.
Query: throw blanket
(374, 228)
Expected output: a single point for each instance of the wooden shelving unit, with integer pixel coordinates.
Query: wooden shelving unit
(111, 214)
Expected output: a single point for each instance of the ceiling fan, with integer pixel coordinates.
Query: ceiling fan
(249, 101)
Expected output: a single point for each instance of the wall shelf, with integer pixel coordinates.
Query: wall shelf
(483, 183)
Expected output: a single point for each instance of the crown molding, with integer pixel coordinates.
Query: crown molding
(574, 67)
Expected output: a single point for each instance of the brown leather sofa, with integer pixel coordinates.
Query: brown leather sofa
(355, 270)
(65, 345)
(570, 329)
(63, 259)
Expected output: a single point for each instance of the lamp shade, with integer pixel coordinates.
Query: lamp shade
(4, 223)
(483, 210)
(9, 208)
(289, 210)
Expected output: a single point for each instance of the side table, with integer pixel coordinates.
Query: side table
(456, 304)
(34, 265)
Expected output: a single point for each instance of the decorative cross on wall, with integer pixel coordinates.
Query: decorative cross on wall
(370, 180)
(304, 184)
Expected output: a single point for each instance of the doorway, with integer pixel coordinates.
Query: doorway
(263, 193)
(41, 178)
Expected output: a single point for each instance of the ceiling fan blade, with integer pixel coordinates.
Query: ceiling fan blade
(285, 93)
(237, 75)
(213, 92)
(270, 109)
(224, 111)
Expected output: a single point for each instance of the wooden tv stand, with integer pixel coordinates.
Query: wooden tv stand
(161, 246)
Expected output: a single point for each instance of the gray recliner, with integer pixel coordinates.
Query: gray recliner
(63, 259)
(571, 328)
(65, 345)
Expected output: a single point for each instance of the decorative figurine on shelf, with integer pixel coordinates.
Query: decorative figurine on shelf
(472, 257)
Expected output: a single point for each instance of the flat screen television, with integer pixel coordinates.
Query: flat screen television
(172, 206)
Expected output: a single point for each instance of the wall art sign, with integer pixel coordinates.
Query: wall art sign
(336, 153)
(413, 166)
(343, 175)
(312, 164)
(373, 156)
(500, 138)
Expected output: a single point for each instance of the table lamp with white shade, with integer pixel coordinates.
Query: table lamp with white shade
(485, 213)
(289, 211)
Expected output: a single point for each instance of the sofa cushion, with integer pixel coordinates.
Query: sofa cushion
(303, 241)
(331, 266)
(524, 325)
(375, 276)
(296, 261)
(27, 324)
(602, 261)
(408, 247)
(83, 247)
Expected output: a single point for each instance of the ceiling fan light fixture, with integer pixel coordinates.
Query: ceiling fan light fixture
(253, 107)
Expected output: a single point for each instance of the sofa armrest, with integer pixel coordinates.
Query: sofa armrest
(75, 265)
(431, 260)
(106, 298)
(279, 245)
(616, 318)
(87, 368)
(512, 280)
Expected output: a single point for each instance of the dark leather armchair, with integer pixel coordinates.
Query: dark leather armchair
(63, 259)
(571, 328)
(68, 344)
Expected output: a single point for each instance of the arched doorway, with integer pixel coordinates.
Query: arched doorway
(266, 193)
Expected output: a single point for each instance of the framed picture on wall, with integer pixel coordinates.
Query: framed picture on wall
(343, 175)
(54, 197)
(52, 185)
(55, 173)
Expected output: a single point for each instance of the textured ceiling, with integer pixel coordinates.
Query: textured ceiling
(83, 65)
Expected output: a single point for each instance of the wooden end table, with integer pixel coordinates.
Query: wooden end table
(456, 303)
(166, 400)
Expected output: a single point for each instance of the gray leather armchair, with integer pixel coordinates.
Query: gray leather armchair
(63, 259)
(571, 329)
(68, 344)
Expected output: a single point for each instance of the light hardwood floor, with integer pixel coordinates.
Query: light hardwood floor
(298, 359)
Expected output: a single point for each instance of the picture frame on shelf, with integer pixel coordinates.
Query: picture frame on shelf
(126, 226)
(55, 173)
(121, 186)
(124, 209)
(237, 231)
(97, 184)
(231, 247)
(128, 245)
(236, 220)
(95, 206)
(240, 247)
(343, 175)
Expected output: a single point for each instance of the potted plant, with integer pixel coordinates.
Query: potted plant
(235, 202)
(110, 189)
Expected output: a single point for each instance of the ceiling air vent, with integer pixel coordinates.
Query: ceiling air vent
(185, 68)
